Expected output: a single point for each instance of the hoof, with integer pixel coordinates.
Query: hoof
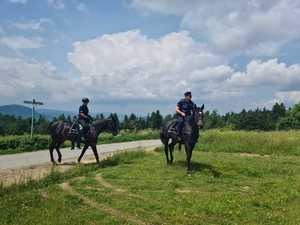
(189, 172)
(54, 163)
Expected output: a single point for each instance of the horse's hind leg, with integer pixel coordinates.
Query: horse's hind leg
(167, 152)
(82, 152)
(171, 147)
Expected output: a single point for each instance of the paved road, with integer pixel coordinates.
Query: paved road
(40, 157)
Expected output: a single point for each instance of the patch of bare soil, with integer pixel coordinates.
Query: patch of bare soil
(252, 155)
(191, 190)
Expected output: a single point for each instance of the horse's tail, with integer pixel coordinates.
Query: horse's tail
(163, 134)
(179, 147)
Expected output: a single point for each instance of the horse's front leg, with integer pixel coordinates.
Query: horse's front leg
(58, 152)
(51, 148)
(188, 151)
(167, 152)
(83, 151)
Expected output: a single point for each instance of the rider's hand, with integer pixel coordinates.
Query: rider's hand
(183, 114)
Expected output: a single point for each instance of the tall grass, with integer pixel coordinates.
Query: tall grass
(275, 142)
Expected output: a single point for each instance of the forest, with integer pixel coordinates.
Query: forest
(278, 118)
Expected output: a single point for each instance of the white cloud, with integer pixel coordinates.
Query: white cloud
(18, 1)
(20, 42)
(22, 79)
(33, 25)
(82, 7)
(287, 96)
(2, 30)
(57, 4)
(268, 73)
(255, 28)
(129, 65)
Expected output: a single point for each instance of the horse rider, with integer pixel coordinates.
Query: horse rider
(84, 118)
(183, 109)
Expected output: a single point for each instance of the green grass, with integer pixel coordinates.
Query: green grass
(23, 143)
(275, 142)
(223, 189)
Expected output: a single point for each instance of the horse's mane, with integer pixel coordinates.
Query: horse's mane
(100, 121)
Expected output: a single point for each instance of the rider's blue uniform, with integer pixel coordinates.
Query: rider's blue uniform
(185, 106)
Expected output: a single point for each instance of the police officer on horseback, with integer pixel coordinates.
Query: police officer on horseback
(84, 118)
(183, 109)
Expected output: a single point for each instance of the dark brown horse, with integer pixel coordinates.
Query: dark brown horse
(60, 132)
(190, 135)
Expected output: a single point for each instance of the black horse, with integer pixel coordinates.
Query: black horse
(60, 132)
(190, 135)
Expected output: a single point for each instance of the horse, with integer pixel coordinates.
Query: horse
(60, 132)
(190, 134)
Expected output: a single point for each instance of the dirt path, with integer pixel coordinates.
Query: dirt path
(22, 167)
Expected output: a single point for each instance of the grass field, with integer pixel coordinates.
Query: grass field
(238, 178)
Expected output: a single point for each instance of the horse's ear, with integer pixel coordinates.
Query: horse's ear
(202, 107)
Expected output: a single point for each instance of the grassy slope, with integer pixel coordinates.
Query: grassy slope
(276, 142)
(223, 189)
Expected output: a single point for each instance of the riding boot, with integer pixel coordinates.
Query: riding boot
(179, 128)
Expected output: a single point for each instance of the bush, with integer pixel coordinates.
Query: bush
(287, 123)
(23, 143)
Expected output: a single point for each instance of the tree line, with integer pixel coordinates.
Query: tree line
(277, 118)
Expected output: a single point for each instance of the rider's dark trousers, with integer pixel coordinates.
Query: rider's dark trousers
(179, 125)
(85, 126)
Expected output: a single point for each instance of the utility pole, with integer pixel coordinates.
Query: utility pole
(33, 103)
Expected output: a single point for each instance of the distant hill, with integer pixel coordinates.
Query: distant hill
(25, 112)
(51, 113)
(16, 110)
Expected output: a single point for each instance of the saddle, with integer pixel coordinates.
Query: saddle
(75, 128)
(172, 127)
(172, 131)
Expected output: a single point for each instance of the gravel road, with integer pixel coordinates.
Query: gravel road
(28, 159)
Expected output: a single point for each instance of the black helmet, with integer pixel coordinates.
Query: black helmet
(188, 93)
(85, 100)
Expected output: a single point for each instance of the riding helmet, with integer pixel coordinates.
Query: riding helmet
(85, 100)
(188, 93)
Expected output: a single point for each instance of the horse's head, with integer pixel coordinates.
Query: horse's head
(199, 116)
(113, 126)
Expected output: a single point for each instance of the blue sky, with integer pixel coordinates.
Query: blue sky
(139, 56)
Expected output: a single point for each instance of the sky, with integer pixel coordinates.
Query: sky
(137, 56)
